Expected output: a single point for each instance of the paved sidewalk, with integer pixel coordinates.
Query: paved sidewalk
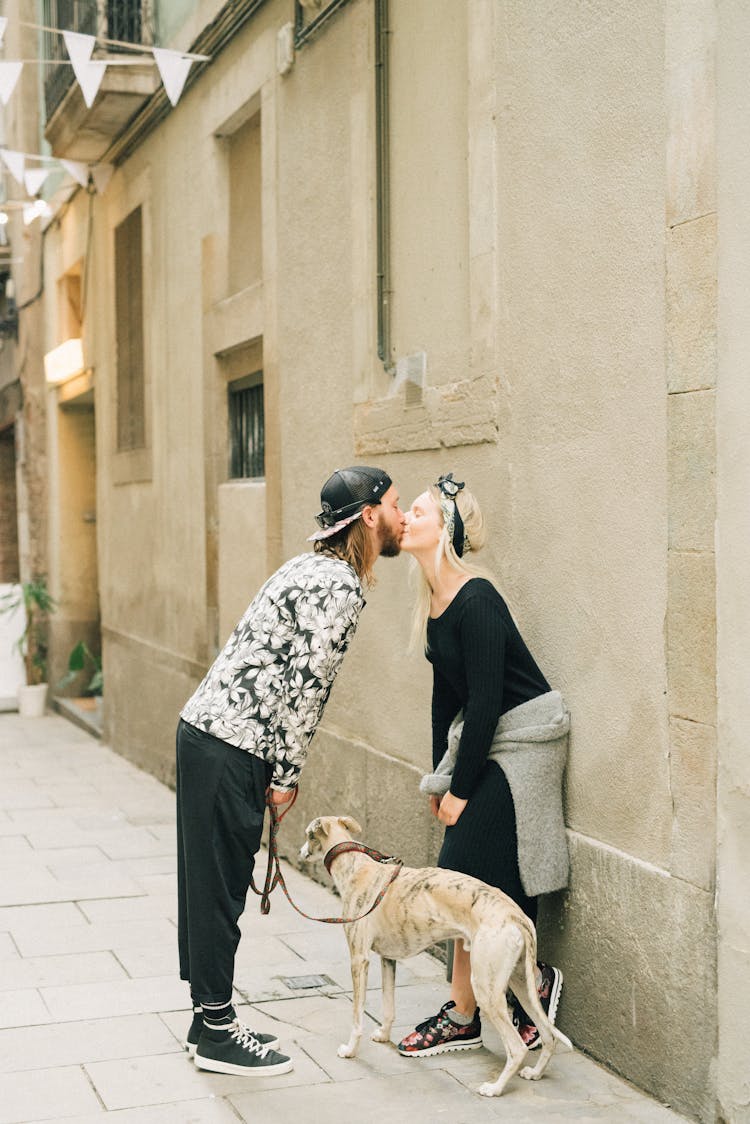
(92, 1012)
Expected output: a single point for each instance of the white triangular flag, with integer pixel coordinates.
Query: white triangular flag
(10, 72)
(79, 47)
(88, 72)
(14, 162)
(89, 75)
(3, 25)
(34, 178)
(101, 174)
(79, 171)
(174, 68)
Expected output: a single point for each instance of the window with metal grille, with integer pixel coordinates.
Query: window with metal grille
(124, 20)
(247, 434)
(129, 21)
(131, 416)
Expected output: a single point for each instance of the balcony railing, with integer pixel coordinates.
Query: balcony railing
(128, 21)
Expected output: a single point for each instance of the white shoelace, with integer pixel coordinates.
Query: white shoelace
(244, 1037)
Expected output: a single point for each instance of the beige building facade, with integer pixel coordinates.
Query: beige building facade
(502, 238)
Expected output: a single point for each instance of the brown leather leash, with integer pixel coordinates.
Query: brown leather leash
(274, 877)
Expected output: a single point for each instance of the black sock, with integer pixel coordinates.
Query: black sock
(196, 1004)
(218, 1016)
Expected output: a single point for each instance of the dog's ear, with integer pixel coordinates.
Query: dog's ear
(351, 825)
(321, 825)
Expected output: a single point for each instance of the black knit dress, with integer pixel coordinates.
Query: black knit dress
(481, 665)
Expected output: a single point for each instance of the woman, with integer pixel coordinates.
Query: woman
(502, 813)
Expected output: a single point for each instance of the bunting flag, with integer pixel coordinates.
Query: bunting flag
(173, 67)
(101, 174)
(34, 179)
(80, 47)
(10, 72)
(15, 162)
(89, 72)
(79, 172)
(89, 77)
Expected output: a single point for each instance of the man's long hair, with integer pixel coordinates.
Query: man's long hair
(353, 544)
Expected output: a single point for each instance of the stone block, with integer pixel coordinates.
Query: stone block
(691, 468)
(347, 777)
(636, 948)
(692, 773)
(690, 34)
(691, 304)
(691, 636)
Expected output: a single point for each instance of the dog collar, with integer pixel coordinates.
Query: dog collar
(352, 845)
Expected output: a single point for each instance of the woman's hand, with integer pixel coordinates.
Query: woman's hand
(434, 805)
(450, 809)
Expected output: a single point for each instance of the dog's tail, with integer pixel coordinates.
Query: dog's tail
(530, 970)
(561, 1037)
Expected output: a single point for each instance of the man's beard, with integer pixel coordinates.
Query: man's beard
(390, 544)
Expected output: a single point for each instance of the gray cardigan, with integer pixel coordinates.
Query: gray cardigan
(531, 746)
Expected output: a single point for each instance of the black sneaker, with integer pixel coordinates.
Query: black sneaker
(440, 1035)
(549, 994)
(197, 1025)
(238, 1051)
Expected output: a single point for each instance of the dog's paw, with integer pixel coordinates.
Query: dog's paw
(489, 1089)
(346, 1050)
(380, 1035)
(529, 1073)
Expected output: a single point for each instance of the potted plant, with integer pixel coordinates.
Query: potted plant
(38, 603)
(79, 659)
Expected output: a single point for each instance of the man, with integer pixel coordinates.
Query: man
(246, 730)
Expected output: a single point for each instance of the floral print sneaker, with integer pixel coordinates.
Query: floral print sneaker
(440, 1034)
(549, 993)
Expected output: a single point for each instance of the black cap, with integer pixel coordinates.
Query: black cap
(345, 494)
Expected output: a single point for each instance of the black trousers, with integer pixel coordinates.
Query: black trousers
(220, 809)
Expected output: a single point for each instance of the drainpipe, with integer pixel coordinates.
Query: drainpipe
(383, 191)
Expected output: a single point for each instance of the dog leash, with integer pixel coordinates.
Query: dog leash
(275, 877)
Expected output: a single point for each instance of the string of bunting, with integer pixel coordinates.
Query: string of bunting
(33, 179)
(173, 66)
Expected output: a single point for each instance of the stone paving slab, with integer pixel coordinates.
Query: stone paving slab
(53, 1094)
(44, 971)
(207, 1111)
(93, 1014)
(92, 1040)
(40, 917)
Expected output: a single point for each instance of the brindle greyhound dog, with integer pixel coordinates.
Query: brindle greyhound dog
(424, 906)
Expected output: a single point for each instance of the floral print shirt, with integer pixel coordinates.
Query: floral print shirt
(266, 690)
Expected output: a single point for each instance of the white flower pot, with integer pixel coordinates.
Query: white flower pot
(32, 700)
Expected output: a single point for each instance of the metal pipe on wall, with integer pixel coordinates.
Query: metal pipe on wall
(383, 185)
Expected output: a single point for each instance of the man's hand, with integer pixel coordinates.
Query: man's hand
(450, 809)
(434, 805)
(278, 797)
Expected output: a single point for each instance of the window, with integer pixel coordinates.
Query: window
(131, 420)
(247, 435)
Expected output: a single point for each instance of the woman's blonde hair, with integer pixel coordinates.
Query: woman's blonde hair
(445, 553)
(353, 545)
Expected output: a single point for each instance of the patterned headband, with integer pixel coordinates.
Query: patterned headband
(449, 489)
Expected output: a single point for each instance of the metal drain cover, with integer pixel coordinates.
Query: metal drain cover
(306, 983)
